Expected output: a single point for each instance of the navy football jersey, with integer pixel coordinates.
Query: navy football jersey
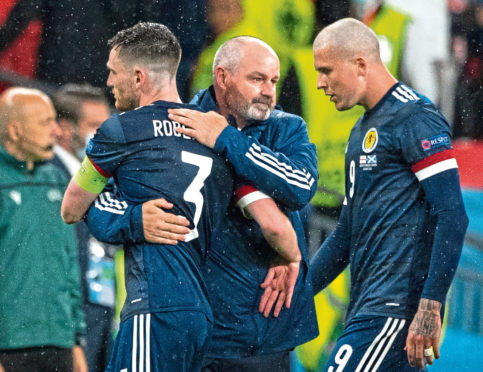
(149, 159)
(395, 145)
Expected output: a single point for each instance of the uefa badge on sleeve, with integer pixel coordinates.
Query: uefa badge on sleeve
(370, 140)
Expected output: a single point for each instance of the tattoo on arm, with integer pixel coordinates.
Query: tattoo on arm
(427, 320)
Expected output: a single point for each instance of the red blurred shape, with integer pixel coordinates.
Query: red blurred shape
(469, 155)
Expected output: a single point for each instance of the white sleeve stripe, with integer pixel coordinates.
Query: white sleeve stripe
(278, 167)
(402, 92)
(305, 185)
(436, 168)
(402, 99)
(105, 202)
(254, 149)
(411, 92)
(250, 198)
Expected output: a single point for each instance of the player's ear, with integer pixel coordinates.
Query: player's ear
(139, 76)
(361, 66)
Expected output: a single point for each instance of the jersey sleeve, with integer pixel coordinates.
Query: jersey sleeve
(446, 204)
(245, 195)
(111, 220)
(287, 172)
(333, 255)
(425, 143)
(426, 146)
(106, 149)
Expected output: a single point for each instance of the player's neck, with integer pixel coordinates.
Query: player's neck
(164, 92)
(378, 86)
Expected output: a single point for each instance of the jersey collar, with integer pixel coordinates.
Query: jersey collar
(381, 102)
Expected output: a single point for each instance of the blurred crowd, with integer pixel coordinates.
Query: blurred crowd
(60, 47)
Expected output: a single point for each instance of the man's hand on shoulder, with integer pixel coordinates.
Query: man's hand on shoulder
(161, 227)
(424, 333)
(205, 127)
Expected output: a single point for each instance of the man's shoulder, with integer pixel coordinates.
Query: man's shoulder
(418, 114)
(408, 103)
(279, 117)
(206, 99)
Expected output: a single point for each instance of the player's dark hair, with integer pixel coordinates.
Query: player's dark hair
(68, 100)
(148, 43)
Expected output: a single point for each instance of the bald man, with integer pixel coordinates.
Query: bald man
(40, 310)
(401, 233)
(271, 155)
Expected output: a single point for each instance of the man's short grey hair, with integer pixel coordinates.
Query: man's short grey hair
(229, 53)
(349, 37)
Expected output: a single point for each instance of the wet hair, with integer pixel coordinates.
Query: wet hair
(69, 98)
(152, 45)
(349, 37)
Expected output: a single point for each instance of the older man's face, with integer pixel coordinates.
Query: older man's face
(38, 130)
(251, 88)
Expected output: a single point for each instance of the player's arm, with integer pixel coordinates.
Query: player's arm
(424, 142)
(275, 225)
(438, 175)
(287, 173)
(83, 189)
(277, 229)
(112, 220)
(333, 255)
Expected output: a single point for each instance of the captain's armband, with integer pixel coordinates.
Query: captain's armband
(246, 195)
(89, 178)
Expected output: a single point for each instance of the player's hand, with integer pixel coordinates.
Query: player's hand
(161, 227)
(205, 127)
(80, 362)
(424, 333)
(279, 286)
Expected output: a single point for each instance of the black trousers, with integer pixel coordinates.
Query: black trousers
(37, 359)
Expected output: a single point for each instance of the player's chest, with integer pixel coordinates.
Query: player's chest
(372, 153)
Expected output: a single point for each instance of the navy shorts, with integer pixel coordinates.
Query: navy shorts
(279, 362)
(165, 341)
(370, 344)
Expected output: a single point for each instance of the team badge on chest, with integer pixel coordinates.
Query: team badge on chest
(369, 142)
